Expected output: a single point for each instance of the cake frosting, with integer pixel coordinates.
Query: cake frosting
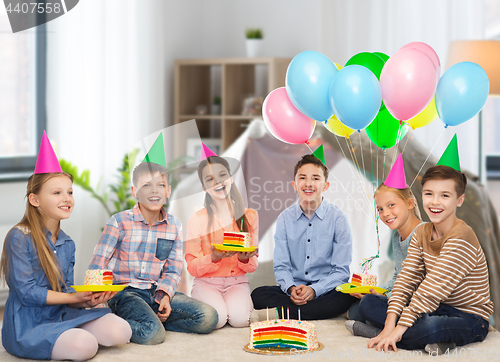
(99, 277)
(283, 334)
(362, 279)
(237, 239)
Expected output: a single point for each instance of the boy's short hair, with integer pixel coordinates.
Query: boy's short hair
(150, 168)
(310, 159)
(441, 172)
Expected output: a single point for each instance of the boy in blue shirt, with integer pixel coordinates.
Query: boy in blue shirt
(312, 252)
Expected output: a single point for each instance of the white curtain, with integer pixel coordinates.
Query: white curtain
(351, 27)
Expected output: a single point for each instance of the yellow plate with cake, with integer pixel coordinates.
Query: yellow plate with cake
(98, 288)
(364, 289)
(233, 248)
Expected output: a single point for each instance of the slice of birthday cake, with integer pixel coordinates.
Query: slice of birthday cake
(237, 239)
(362, 279)
(99, 277)
(283, 334)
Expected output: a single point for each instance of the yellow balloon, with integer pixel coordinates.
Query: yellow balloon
(339, 67)
(425, 117)
(336, 127)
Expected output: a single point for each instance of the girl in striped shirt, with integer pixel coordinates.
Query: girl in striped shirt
(398, 209)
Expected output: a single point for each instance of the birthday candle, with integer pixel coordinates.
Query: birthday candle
(267, 313)
(299, 314)
(282, 313)
(241, 227)
(276, 315)
(288, 313)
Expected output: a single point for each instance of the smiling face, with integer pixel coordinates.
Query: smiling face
(392, 209)
(440, 200)
(152, 191)
(310, 183)
(216, 180)
(55, 199)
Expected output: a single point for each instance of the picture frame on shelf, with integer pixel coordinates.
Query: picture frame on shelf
(193, 146)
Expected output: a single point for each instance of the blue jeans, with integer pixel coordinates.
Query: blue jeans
(445, 325)
(138, 307)
(353, 312)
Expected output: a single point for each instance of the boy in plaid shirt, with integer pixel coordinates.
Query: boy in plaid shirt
(143, 247)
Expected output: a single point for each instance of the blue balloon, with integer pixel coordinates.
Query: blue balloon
(308, 79)
(355, 96)
(461, 93)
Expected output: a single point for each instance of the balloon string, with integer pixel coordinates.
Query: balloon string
(407, 138)
(362, 157)
(398, 139)
(338, 181)
(355, 159)
(427, 157)
(383, 169)
(352, 172)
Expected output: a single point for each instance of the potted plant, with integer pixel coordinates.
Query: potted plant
(216, 103)
(254, 42)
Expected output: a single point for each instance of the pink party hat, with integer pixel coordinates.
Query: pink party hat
(47, 161)
(206, 152)
(396, 177)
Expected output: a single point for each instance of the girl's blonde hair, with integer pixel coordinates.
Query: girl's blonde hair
(406, 194)
(33, 221)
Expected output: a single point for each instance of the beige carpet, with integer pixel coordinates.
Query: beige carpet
(227, 344)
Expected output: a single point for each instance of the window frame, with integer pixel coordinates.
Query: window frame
(17, 168)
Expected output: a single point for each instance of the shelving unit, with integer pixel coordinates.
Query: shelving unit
(198, 81)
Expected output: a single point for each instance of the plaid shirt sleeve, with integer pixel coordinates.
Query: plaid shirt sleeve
(172, 269)
(107, 245)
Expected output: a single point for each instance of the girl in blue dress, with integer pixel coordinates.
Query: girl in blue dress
(44, 318)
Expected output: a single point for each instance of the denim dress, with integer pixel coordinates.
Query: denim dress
(30, 326)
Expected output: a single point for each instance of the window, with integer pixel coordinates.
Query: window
(22, 98)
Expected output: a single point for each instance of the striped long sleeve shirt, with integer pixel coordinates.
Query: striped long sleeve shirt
(450, 270)
(140, 254)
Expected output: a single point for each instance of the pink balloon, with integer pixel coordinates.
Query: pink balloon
(284, 121)
(408, 81)
(431, 53)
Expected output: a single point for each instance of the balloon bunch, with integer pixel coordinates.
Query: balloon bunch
(383, 95)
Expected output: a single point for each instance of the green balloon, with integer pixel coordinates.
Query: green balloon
(368, 60)
(384, 129)
(384, 57)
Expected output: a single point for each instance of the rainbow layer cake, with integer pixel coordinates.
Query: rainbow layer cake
(99, 277)
(362, 279)
(237, 239)
(283, 334)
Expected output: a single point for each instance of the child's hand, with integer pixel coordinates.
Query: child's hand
(220, 254)
(382, 336)
(244, 256)
(295, 298)
(164, 309)
(99, 298)
(80, 297)
(356, 295)
(386, 343)
(306, 292)
(359, 295)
